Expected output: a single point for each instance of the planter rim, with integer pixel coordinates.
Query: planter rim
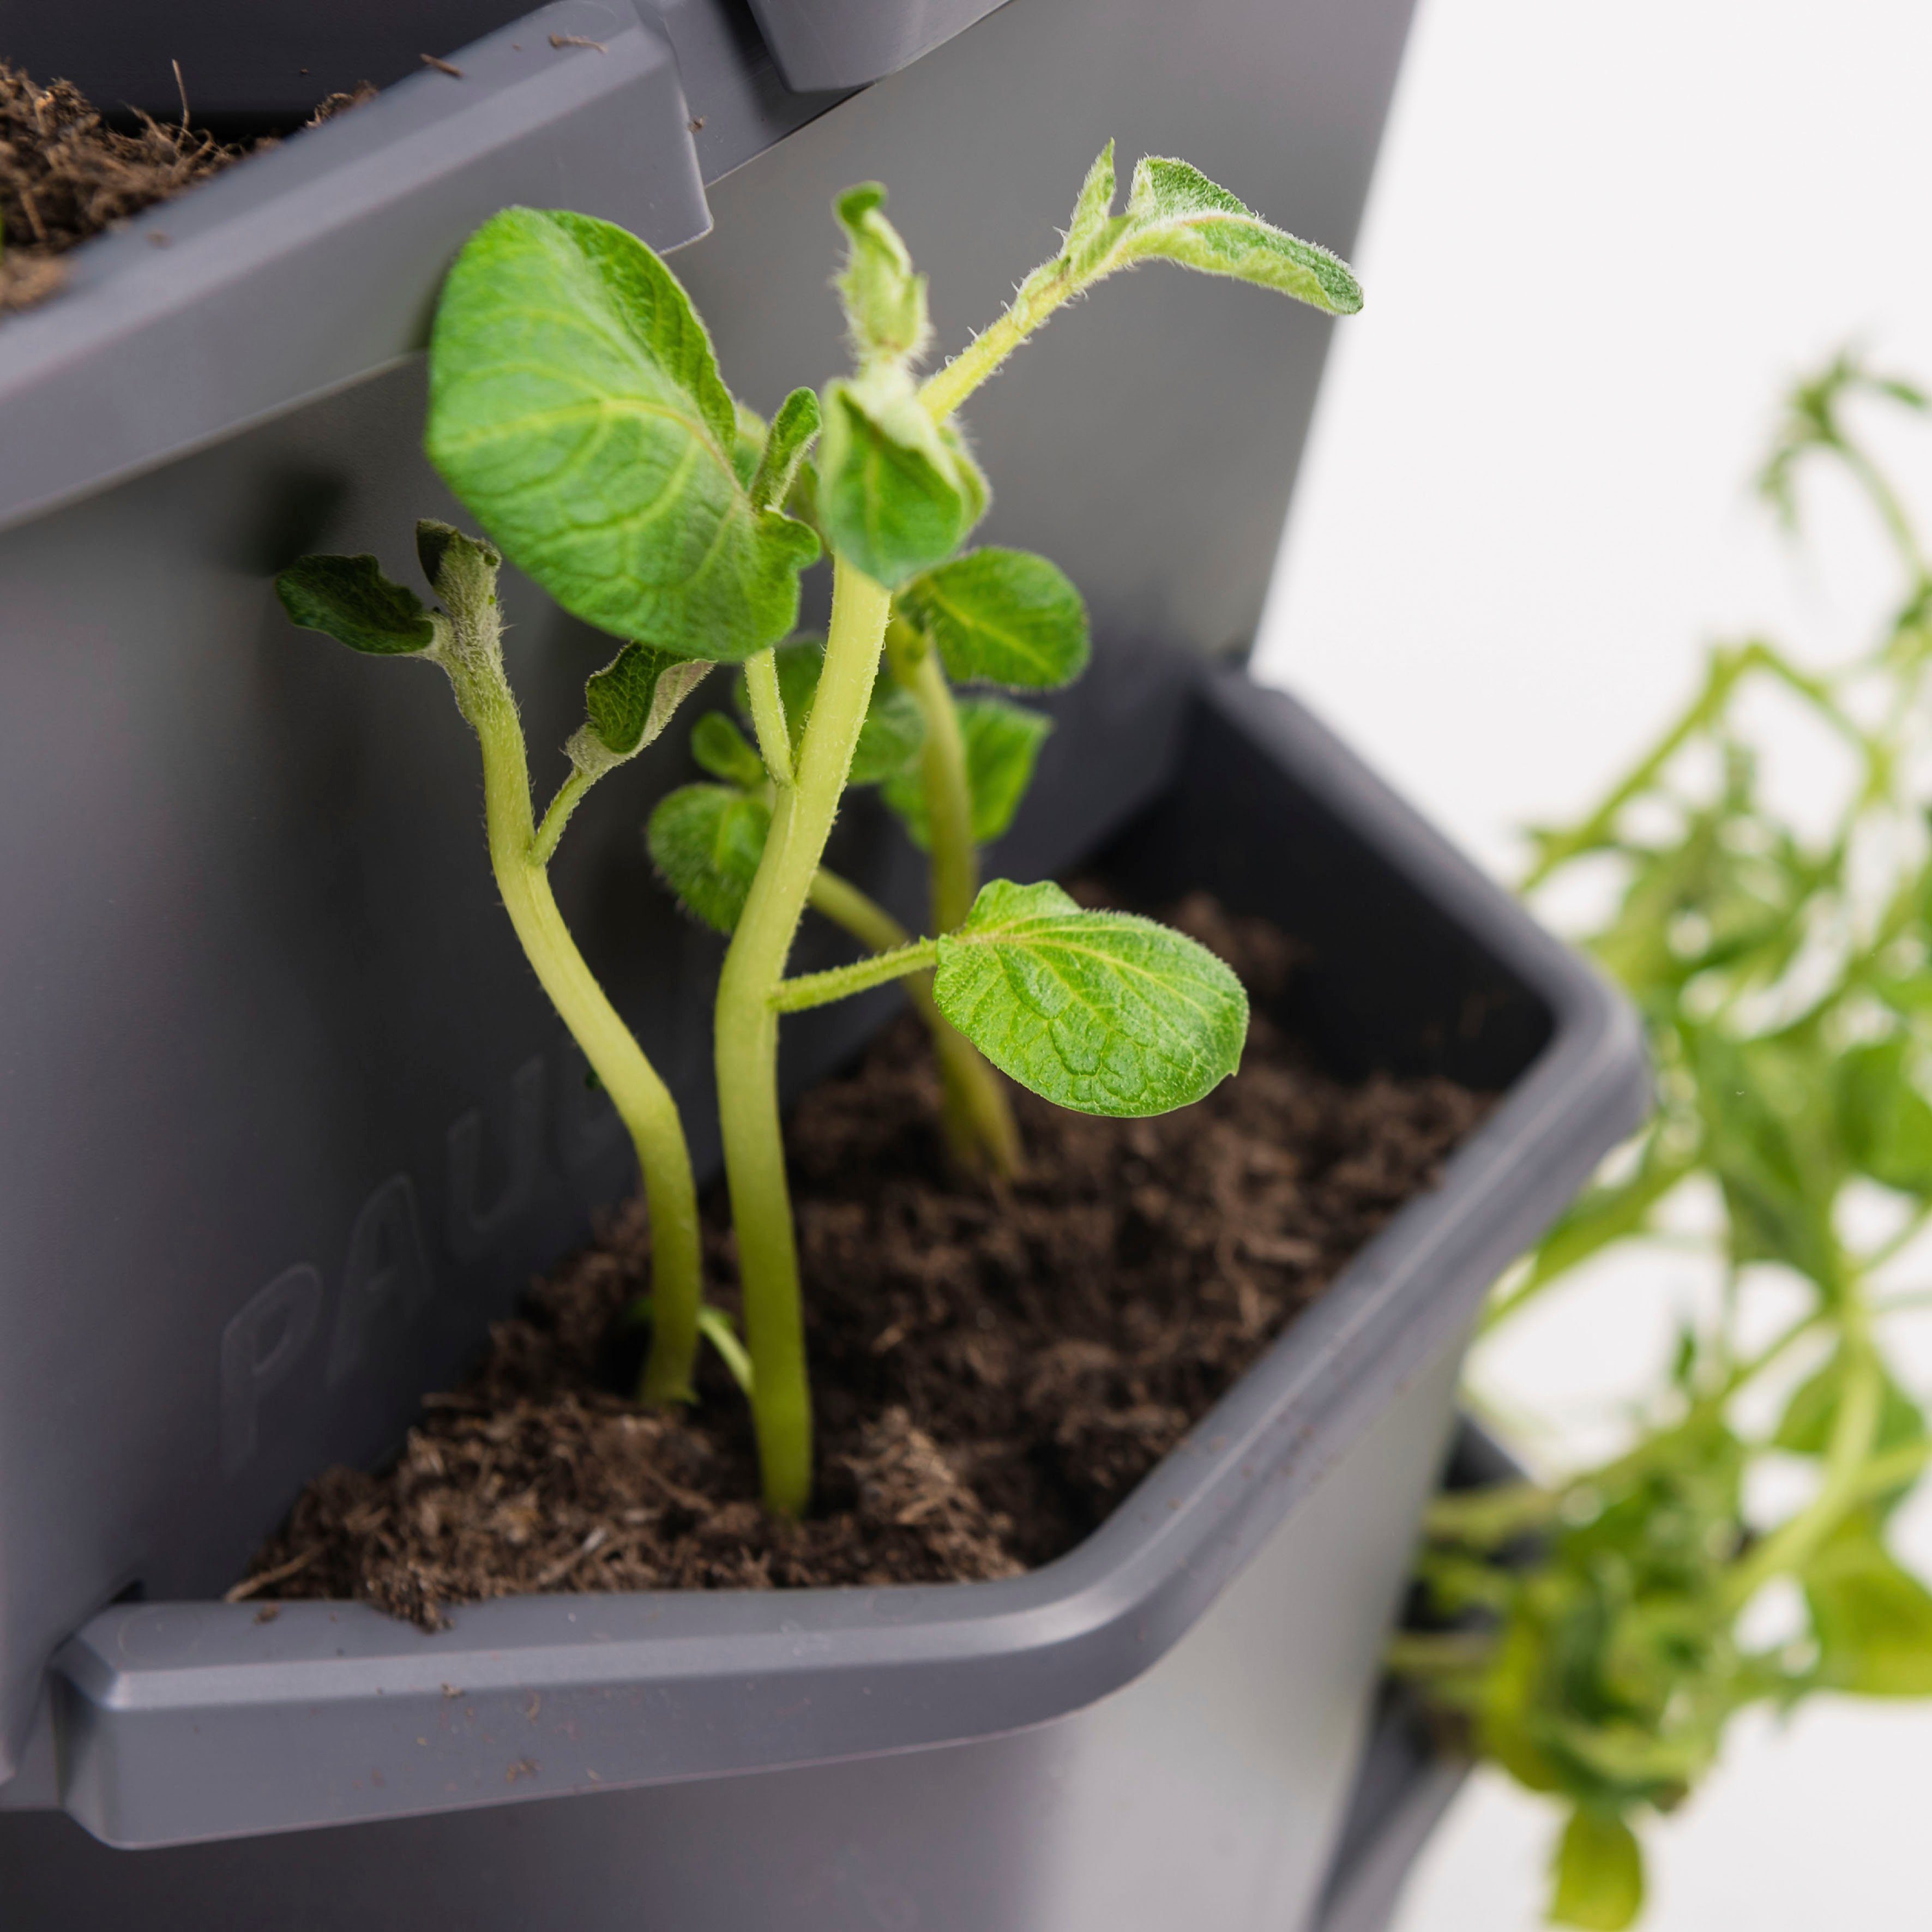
(647, 1687)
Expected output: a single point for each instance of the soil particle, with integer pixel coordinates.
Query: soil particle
(995, 1365)
(66, 176)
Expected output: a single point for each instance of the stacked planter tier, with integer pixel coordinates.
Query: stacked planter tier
(289, 1124)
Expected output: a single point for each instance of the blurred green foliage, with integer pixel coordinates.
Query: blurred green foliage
(1592, 1638)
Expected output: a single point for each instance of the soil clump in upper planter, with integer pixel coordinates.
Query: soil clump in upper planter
(66, 176)
(995, 1365)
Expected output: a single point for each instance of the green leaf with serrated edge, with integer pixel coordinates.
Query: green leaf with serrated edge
(705, 841)
(1002, 743)
(628, 704)
(896, 493)
(576, 408)
(888, 740)
(349, 599)
(1001, 616)
(1105, 1012)
(883, 296)
(725, 752)
(792, 431)
(1175, 213)
(1872, 1619)
(1599, 1874)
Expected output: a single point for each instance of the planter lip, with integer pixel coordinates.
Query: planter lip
(316, 265)
(728, 1676)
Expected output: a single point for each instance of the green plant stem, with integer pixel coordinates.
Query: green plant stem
(979, 1122)
(984, 1121)
(768, 714)
(747, 1035)
(841, 982)
(543, 845)
(643, 1101)
(1042, 292)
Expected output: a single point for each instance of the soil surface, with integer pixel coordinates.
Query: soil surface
(66, 176)
(995, 1365)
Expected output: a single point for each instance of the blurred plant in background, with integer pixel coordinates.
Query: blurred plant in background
(1594, 1643)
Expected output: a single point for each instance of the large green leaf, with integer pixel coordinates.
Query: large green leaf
(1599, 1874)
(1884, 1119)
(896, 493)
(1873, 1619)
(1001, 616)
(890, 737)
(576, 408)
(628, 704)
(706, 840)
(1002, 743)
(349, 599)
(1105, 1012)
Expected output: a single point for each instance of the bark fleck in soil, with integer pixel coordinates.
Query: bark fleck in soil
(995, 1366)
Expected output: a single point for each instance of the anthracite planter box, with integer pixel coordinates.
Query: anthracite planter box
(288, 1123)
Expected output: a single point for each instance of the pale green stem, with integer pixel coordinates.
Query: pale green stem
(842, 983)
(722, 1336)
(768, 714)
(978, 1121)
(642, 1100)
(543, 848)
(747, 1034)
(1041, 293)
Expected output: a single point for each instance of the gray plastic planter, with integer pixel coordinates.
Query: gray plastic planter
(288, 1124)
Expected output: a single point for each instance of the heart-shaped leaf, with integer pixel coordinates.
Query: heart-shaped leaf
(724, 751)
(1103, 1011)
(1001, 616)
(1002, 743)
(349, 599)
(890, 737)
(576, 408)
(706, 841)
(628, 704)
(896, 493)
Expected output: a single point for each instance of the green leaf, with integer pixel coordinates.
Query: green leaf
(1599, 1874)
(792, 431)
(896, 494)
(349, 599)
(1175, 213)
(1093, 225)
(1105, 1012)
(576, 408)
(705, 841)
(1805, 1429)
(890, 737)
(884, 299)
(1872, 1619)
(1883, 1118)
(628, 704)
(1001, 616)
(725, 752)
(1002, 743)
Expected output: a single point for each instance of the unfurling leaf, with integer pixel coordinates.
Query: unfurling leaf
(1105, 1012)
(1599, 1874)
(1090, 229)
(1002, 743)
(890, 737)
(629, 702)
(725, 752)
(705, 841)
(349, 599)
(1873, 1619)
(884, 298)
(576, 408)
(1001, 616)
(785, 444)
(896, 493)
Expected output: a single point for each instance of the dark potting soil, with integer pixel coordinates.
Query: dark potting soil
(66, 176)
(995, 1365)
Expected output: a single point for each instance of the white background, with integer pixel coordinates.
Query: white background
(1603, 239)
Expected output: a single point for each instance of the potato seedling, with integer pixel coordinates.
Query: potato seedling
(578, 411)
